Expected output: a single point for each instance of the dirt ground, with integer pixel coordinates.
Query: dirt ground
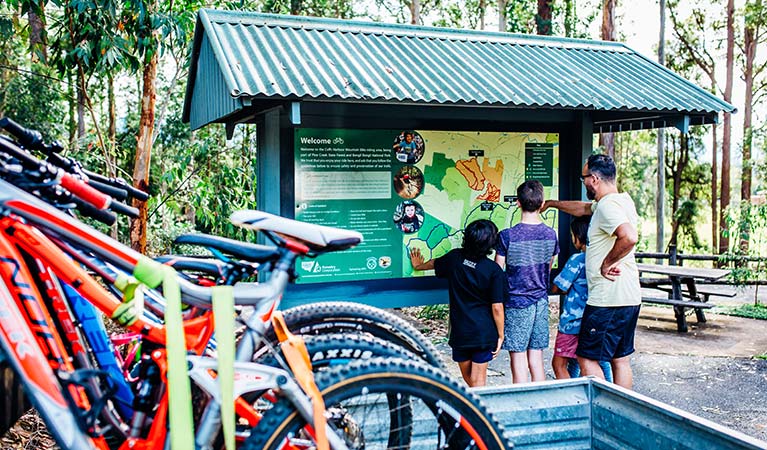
(710, 371)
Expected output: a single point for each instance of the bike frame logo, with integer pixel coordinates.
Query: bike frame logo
(26, 297)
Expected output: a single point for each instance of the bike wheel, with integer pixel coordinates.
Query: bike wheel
(348, 317)
(337, 349)
(13, 402)
(430, 410)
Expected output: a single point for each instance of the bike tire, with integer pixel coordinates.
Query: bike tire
(13, 402)
(459, 416)
(337, 349)
(348, 317)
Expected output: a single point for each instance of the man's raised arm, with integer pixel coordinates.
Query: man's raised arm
(572, 207)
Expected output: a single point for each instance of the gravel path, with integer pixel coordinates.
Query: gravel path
(711, 371)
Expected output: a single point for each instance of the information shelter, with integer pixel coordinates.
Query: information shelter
(407, 133)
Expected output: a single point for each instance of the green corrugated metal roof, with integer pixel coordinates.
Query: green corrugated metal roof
(241, 57)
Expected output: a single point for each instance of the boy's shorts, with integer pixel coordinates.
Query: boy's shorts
(607, 332)
(565, 345)
(527, 328)
(476, 355)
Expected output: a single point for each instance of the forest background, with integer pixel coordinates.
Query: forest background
(107, 78)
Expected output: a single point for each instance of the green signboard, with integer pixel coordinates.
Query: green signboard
(405, 189)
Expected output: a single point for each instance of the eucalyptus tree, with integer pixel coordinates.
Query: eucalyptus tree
(696, 40)
(724, 241)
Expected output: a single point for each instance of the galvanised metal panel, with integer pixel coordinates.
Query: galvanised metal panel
(626, 420)
(588, 413)
(553, 415)
(264, 56)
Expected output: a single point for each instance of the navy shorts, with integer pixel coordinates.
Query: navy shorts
(607, 332)
(476, 355)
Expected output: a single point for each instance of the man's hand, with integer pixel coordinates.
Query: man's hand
(611, 272)
(625, 240)
(547, 204)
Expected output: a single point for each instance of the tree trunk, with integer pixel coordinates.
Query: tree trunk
(569, 18)
(748, 78)
(724, 241)
(80, 105)
(415, 12)
(750, 43)
(543, 18)
(295, 7)
(679, 164)
(714, 191)
(502, 15)
(482, 10)
(72, 115)
(112, 125)
(607, 140)
(660, 198)
(37, 43)
(608, 20)
(144, 153)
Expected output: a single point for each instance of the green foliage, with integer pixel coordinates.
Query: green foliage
(29, 93)
(747, 224)
(434, 312)
(520, 16)
(341, 9)
(636, 163)
(749, 311)
(460, 14)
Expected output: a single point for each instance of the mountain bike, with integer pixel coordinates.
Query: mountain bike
(36, 233)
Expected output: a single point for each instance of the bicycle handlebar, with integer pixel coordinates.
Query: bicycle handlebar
(102, 215)
(31, 139)
(115, 193)
(122, 208)
(85, 192)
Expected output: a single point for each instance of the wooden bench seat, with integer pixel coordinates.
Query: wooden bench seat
(677, 302)
(703, 290)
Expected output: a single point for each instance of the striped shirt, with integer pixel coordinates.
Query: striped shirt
(528, 250)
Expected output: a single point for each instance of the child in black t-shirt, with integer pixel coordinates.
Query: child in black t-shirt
(477, 290)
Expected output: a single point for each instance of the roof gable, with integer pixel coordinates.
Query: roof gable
(264, 56)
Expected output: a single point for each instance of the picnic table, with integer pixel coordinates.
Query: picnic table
(679, 278)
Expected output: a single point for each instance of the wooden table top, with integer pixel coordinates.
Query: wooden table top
(684, 272)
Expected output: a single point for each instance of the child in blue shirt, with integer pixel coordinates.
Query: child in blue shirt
(572, 282)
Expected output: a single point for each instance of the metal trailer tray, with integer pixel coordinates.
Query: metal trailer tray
(587, 413)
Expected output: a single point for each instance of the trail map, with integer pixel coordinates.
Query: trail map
(405, 189)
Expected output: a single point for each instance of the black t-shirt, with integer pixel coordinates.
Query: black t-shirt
(474, 285)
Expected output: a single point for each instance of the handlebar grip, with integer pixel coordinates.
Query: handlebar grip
(102, 215)
(25, 136)
(116, 193)
(138, 194)
(122, 208)
(119, 183)
(98, 177)
(79, 189)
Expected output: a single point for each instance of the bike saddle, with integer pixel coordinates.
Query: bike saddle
(317, 237)
(242, 250)
(179, 262)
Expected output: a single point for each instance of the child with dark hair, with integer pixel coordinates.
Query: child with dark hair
(477, 289)
(526, 251)
(572, 282)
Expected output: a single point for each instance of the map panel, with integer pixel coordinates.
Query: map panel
(438, 182)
